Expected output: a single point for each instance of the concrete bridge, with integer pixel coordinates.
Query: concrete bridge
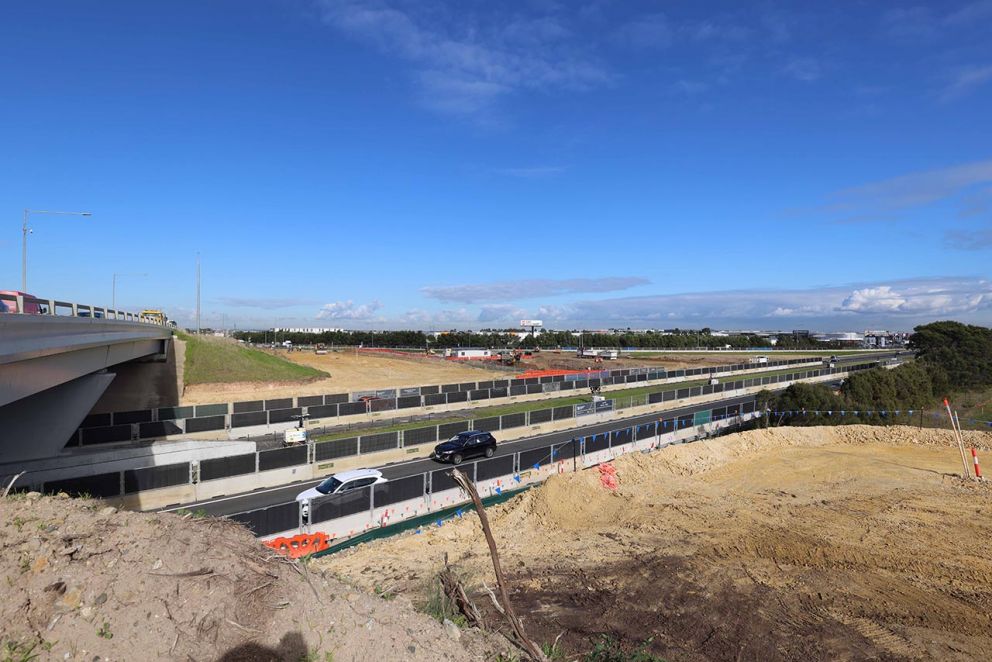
(54, 368)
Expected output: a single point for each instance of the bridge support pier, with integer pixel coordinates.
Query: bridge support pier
(39, 425)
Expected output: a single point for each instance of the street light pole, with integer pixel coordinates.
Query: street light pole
(25, 231)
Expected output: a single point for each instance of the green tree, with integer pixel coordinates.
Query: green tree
(958, 356)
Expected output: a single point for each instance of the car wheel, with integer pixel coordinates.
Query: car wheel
(456, 459)
(489, 451)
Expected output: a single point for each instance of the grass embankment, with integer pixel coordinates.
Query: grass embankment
(219, 360)
(624, 398)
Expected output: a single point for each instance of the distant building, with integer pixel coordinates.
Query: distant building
(312, 329)
(468, 354)
(879, 339)
(844, 337)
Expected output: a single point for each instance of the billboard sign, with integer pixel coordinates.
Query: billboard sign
(531, 323)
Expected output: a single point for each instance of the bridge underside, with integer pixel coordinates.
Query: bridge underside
(54, 369)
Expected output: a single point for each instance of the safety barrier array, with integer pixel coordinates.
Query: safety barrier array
(165, 421)
(415, 495)
(131, 481)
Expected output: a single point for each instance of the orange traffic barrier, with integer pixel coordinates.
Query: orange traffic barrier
(608, 476)
(299, 546)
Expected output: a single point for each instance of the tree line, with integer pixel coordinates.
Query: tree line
(499, 339)
(951, 357)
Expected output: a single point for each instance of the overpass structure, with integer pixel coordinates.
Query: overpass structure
(56, 363)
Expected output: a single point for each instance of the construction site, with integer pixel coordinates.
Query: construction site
(848, 542)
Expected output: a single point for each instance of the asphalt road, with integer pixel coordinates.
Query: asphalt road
(265, 497)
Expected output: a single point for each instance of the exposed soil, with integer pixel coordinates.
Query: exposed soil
(552, 360)
(350, 371)
(783, 544)
(84, 582)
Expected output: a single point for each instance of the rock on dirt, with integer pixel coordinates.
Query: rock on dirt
(82, 583)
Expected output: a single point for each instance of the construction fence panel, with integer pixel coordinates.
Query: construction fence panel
(398, 490)
(329, 450)
(378, 442)
(420, 436)
(282, 457)
(150, 478)
(494, 467)
(224, 467)
(266, 521)
(340, 505)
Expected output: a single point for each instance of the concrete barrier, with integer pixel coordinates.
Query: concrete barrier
(171, 496)
(344, 527)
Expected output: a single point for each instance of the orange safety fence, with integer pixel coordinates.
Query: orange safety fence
(299, 546)
(554, 373)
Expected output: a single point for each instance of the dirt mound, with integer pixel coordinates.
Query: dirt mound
(777, 544)
(84, 582)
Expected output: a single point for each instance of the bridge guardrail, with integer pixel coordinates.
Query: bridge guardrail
(25, 304)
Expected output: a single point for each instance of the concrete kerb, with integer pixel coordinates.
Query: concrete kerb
(170, 496)
(345, 527)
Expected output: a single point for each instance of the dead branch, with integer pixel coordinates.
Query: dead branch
(202, 572)
(492, 596)
(11, 484)
(258, 588)
(528, 646)
(306, 575)
(456, 593)
(239, 625)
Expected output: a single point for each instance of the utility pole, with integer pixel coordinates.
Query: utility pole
(197, 293)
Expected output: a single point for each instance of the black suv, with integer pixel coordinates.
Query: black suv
(464, 445)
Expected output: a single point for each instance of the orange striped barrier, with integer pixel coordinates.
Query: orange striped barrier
(299, 546)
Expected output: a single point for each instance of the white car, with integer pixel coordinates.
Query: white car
(338, 483)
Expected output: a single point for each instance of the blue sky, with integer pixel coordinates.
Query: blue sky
(390, 163)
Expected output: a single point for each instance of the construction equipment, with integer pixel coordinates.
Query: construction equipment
(156, 316)
(507, 357)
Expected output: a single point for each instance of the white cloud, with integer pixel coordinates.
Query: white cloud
(968, 240)
(529, 289)
(971, 14)
(884, 200)
(466, 61)
(805, 69)
(923, 298)
(502, 313)
(263, 302)
(423, 318)
(835, 306)
(650, 31)
(965, 81)
(347, 310)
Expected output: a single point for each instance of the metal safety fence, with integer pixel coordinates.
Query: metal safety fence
(119, 483)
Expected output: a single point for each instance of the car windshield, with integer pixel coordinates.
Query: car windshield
(329, 485)
(461, 437)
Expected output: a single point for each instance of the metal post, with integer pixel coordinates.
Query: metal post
(24, 253)
(197, 293)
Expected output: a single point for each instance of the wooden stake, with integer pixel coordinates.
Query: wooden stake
(957, 435)
(529, 647)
